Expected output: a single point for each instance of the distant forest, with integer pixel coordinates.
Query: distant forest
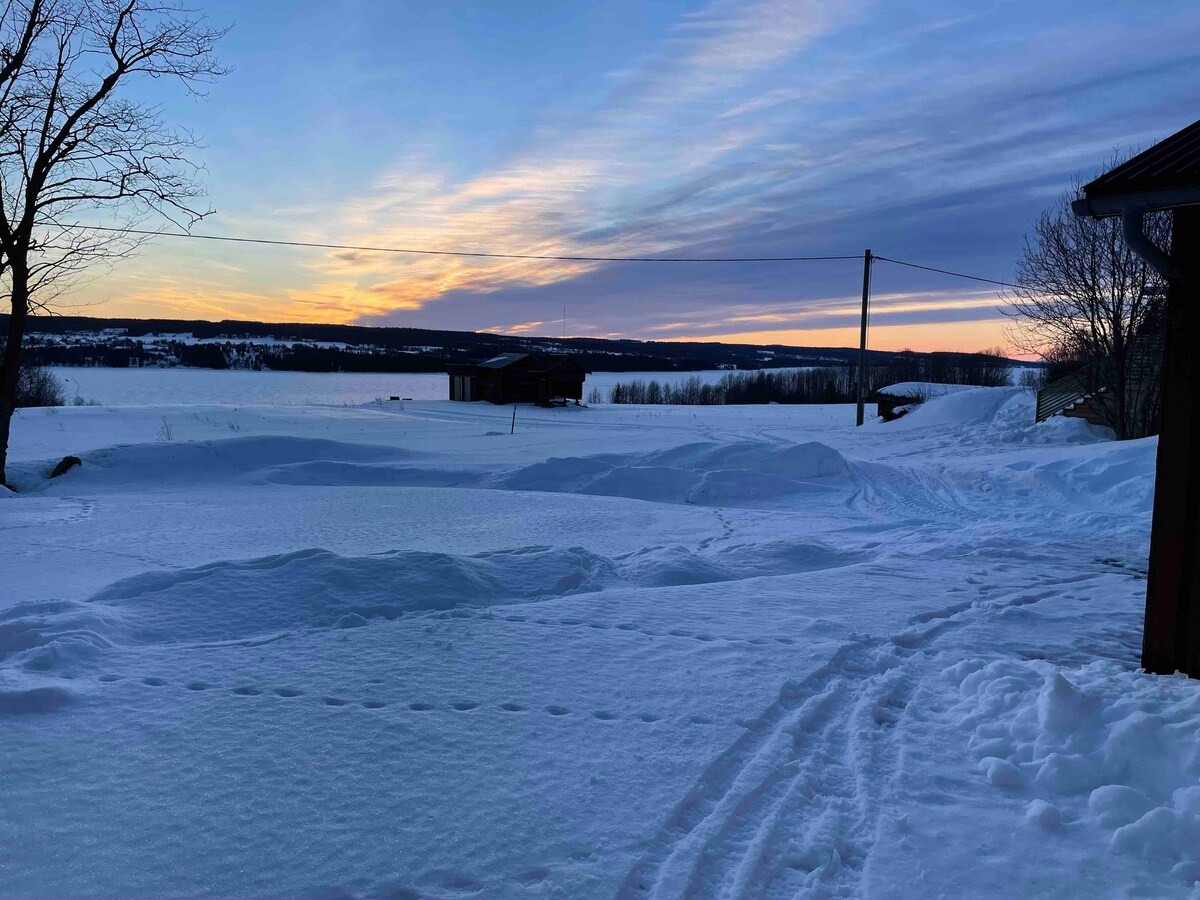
(827, 384)
(121, 343)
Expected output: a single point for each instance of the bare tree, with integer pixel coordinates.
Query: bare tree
(73, 143)
(1083, 296)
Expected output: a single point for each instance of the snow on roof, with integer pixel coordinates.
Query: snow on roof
(925, 390)
(504, 359)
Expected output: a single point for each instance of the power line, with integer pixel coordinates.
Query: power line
(531, 256)
(912, 265)
(468, 253)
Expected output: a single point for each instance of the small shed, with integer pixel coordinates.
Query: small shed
(518, 378)
(891, 404)
(895, 400)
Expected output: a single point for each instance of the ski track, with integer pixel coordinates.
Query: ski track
(790, 809)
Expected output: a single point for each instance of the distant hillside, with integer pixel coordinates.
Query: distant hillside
(84, 341)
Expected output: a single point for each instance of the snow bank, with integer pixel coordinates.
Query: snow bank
(261, 599)
(1101, 746)
(924, 390)
(191, 462)
(1118, 480)
(966, 407)
(703, 472)
(246, 460)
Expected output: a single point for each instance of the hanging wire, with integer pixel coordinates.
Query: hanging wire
(468, 253)
(912, 265)
(534, 256)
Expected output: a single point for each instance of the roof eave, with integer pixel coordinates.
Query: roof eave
(1104, 207)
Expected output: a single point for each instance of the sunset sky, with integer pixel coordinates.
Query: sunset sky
(929, 131)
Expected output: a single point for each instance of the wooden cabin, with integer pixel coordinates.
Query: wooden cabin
(518, 378)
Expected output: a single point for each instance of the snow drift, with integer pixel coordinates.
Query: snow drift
(707, 473)
(262, 599)
(1100, 746)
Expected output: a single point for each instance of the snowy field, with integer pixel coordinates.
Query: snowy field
(241, 387)
(628, 652)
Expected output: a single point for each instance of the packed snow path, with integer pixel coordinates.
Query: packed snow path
(630, 652)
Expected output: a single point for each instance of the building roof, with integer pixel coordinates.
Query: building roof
(1169, 163)
(923, 390)
(1161, 177)
(503, 360)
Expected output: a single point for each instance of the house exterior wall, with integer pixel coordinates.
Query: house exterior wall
(529, 380)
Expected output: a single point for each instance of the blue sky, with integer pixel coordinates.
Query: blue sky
(931, 131)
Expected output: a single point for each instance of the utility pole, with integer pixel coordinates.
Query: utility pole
(862, 341)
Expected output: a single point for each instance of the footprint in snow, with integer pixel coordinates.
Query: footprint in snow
(465, 706)
(286, 692)
(198, 686)
(462, 884)
(420, 707)
(557, 710)
(154, 682)
(109, 679)
(247, 690)
(334, 701)
(512, 707)
(604, 715)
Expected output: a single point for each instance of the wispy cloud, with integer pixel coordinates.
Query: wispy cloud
(638, 180)
(751, 127)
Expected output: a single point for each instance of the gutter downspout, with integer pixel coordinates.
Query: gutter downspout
(1132, 223)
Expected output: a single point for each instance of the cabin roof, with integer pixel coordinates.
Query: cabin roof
(504, 360)
(922, 390)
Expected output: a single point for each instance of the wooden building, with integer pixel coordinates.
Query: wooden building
(518, 378)
(891, 406)
(1167, 177)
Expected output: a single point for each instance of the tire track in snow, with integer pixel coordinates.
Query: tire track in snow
(791, 806)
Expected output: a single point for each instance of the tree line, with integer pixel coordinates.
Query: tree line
(824, 384)
(229, 355)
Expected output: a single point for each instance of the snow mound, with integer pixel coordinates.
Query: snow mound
(187, 463)
(1121, 480)
(257, 601)
(701, 472)
(1005, 415)
(1101, 745)
(972, 406)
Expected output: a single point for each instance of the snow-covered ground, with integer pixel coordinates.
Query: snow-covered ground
(154, 386)
(626, 652)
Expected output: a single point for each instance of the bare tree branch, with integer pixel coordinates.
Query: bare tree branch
(74, 144)
(1085, 301)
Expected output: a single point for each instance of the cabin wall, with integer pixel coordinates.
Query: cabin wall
(517, 383)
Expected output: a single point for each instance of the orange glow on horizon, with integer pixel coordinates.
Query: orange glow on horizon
(925, 337)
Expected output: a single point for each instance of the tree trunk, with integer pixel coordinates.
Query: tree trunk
(10, 369)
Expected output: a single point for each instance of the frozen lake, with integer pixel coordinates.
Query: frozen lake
(242, 387)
